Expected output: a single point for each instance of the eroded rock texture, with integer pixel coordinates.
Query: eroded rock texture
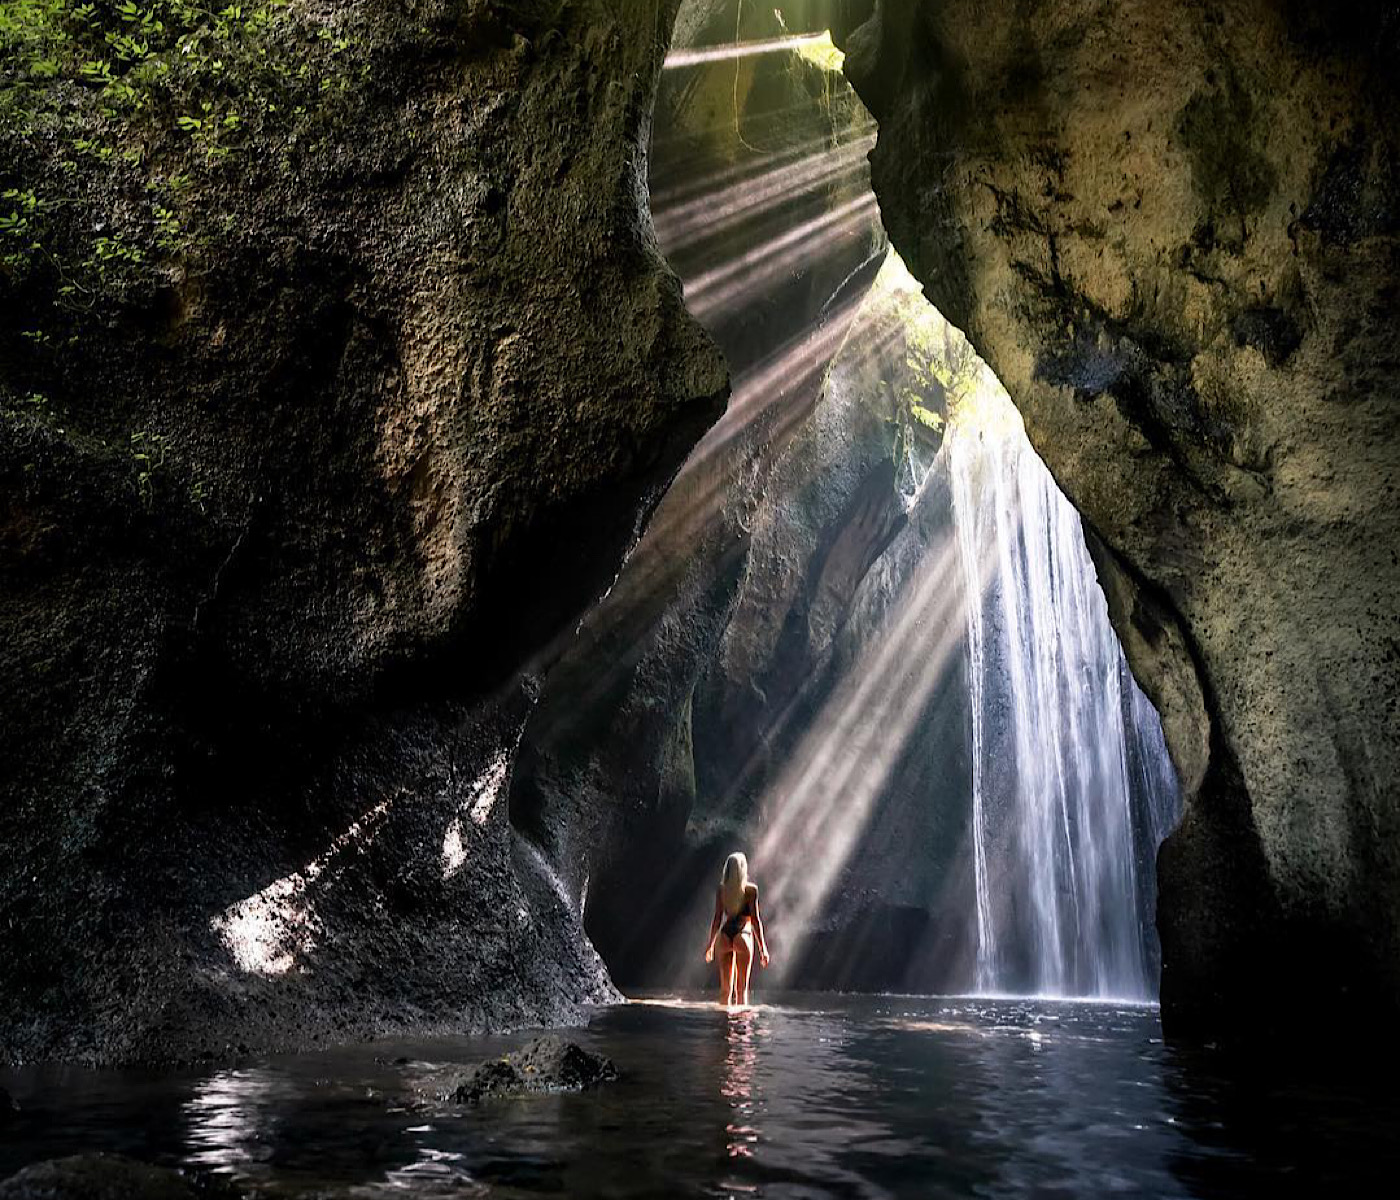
(1174, 232)
(312, 428)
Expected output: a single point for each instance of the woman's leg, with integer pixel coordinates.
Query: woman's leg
(725, 959)
(743, 964)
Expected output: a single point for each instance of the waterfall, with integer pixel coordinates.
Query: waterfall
(1072, 790)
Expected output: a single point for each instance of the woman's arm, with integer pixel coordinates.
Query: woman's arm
(758, 929)
(714, 927)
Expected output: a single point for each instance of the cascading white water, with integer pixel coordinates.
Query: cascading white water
(1072, 788)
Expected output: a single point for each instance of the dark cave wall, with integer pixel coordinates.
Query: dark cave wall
(288, 496)
(1171, 229)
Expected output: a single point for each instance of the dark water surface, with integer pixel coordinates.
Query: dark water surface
(810, 1096)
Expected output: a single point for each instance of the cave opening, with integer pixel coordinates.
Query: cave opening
(862, 637)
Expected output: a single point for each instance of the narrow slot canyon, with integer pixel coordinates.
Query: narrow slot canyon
(495, 489)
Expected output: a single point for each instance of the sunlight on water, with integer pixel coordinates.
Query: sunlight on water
(808, 1096)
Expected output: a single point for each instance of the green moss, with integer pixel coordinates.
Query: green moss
(159, 95)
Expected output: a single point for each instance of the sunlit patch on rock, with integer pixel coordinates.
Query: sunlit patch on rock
(269, 931)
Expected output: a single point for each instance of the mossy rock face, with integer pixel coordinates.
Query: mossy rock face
(1172, 231)
(314, 424)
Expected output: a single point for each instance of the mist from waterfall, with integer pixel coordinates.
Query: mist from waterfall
(1072, 789)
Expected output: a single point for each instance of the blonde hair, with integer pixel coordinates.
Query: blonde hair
(735, 881)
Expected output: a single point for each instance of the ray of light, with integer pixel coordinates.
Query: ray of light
(693, 185)
(267, 932)
(822, 801)
(769, 404)
(777, 394)
(480, 800)
(715, 212)
(709, 54)
(758, 268)
(818, 806)
(768, 132)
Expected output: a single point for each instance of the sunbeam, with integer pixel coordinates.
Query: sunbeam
(751, 271)
(715, 212)
(817, 808)
(697, 183)
(268, 933)
(713, 54)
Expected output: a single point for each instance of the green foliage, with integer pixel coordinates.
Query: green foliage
(147, 457)
(115, 250)
(167, 91)
(927, 417)
(931, 376)
(21, 218)
(176, 60)
(820, 51)
(937, 368)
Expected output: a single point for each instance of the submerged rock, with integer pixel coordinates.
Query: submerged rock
(110, 1177)
(548, 1064)
(552, 1062)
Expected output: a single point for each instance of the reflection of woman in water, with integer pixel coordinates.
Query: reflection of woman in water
(738, 928)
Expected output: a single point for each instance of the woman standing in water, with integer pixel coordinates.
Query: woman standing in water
(736, 926)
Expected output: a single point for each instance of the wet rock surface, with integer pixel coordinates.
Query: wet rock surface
(547, 1064)
(289, 496)
(1172, 231)
(110, 1177)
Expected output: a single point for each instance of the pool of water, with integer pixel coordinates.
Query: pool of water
(806, 1096)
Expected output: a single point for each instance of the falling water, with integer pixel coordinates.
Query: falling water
(1072, 787)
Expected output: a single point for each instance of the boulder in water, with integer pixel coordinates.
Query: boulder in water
(496, 1078)
(554, 1064)
(548, 1064)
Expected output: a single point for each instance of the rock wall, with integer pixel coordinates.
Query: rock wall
(337, 364)
(1173, 230)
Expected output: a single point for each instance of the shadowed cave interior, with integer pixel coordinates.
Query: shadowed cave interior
(466, 468)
